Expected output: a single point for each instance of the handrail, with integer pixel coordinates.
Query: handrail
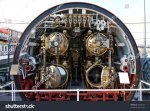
(12, 84)
(13, 91)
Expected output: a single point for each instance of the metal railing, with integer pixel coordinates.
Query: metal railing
(140, 91)
(13, 91)
(12, 85)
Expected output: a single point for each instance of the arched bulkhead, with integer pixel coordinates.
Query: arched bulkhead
(77, 46)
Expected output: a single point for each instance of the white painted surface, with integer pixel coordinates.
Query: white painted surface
(124, 78)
